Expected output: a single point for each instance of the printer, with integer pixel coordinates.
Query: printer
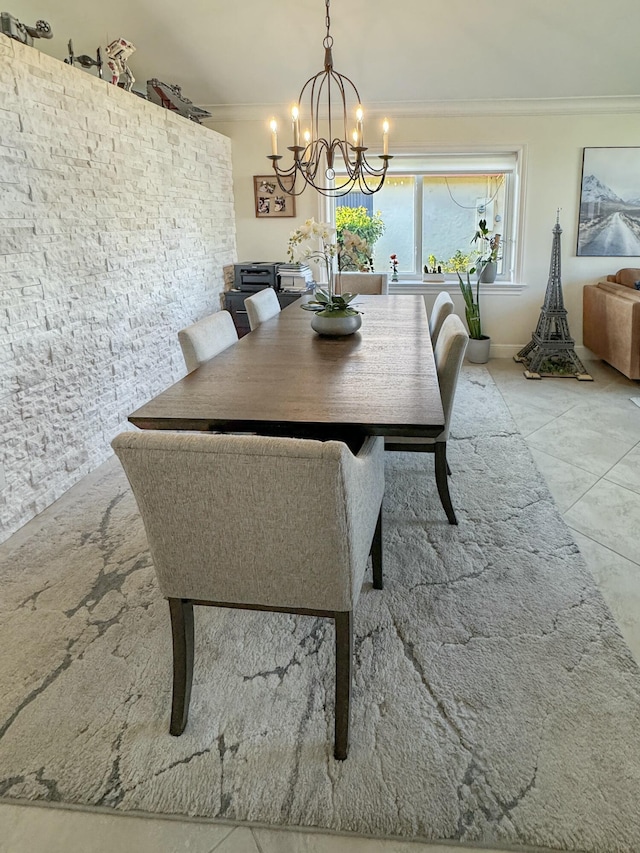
(256, 275)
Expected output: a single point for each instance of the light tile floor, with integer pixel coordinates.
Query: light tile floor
(585, 438)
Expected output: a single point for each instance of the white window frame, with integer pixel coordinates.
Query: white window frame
(418, 161)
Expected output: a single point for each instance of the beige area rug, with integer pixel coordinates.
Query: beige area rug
(495, 702)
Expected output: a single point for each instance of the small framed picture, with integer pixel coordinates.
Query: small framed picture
(270, 200)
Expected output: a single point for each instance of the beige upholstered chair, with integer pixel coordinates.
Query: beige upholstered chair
(442, 307)
(206, 338)
(311, 514)
(449, 352)
(362, 282)
(261, 306)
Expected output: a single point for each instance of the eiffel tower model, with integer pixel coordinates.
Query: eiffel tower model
(550, 352)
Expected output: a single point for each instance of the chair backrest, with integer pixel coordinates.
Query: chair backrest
(261, 306)
(442, 307)
(207, 338)
(276, 522)
(449, 352)
(362, 282)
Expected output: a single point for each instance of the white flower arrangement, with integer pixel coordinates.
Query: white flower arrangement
(300, 250)
(350, 247)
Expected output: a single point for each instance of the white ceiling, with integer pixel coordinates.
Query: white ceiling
(260, 52)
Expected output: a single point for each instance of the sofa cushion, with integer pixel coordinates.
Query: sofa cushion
(629, 277)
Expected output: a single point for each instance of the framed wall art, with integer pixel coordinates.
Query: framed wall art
(609, 220)
(270, 201)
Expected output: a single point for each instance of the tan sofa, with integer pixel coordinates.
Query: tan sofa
(611, 320)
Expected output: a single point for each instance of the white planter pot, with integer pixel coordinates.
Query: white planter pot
(489, 272)
(433, 276)
(336, 326)
(478, 350)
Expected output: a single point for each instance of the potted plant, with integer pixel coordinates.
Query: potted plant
(488, 255)
(333, 313)
(432, 271)
(479, 344)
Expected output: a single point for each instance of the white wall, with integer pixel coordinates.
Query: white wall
(259, 239)
(116, 219)
(554, 146)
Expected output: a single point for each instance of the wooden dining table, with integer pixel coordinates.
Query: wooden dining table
(284, 379)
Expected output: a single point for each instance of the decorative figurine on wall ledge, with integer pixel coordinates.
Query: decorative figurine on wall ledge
(85, 61)
(171, 98)
(12, 27)
(118, 51)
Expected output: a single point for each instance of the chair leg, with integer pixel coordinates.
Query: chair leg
(376, 553)
(182, 630)
(441, 481)
(344, 663)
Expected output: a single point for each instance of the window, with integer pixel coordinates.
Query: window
(431, 206)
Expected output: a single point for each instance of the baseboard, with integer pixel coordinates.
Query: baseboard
(509, 350)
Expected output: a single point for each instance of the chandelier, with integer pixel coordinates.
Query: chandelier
(319, 159)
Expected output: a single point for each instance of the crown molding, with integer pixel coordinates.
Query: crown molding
(448, 109)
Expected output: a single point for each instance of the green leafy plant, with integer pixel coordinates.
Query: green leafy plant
(459, 262)
(489, 247)
(356, 222)
(332, 305)
(472, 305)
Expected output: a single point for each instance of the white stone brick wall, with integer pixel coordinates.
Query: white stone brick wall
(116, 220)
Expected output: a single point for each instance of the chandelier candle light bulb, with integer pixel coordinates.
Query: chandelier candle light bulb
(385, 138)
(274, 137)
(295, 116)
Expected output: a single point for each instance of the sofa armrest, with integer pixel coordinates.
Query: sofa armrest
(619, 290)
(611, 325)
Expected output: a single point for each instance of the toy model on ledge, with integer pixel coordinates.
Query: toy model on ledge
(12, 27)
(85, 61)
(171, 98)
(118, 51)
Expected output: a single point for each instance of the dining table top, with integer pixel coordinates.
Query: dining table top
(284, 379)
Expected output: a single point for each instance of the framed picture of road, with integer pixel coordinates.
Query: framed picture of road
(271, 202)
(609, 223)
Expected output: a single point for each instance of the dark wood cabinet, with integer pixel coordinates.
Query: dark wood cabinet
(234, 304)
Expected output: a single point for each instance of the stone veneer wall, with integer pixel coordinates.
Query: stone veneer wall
(116, 219)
